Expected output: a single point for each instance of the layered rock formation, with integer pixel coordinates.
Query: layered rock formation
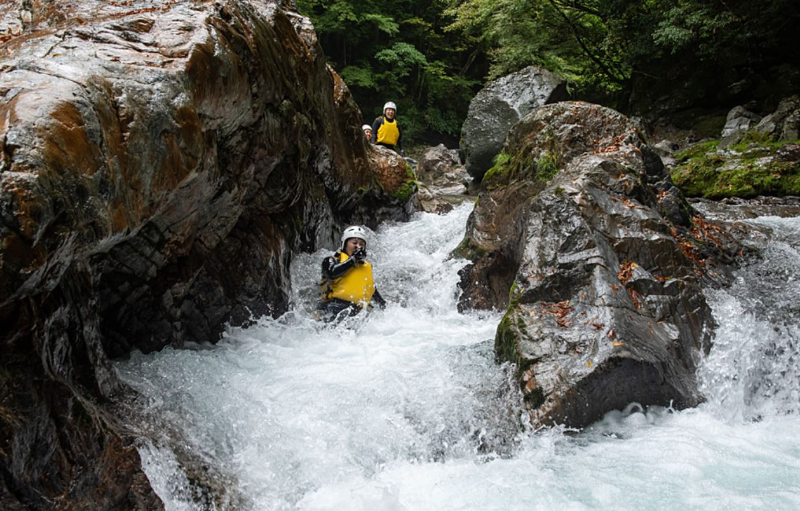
(159, 161)
(598, 258)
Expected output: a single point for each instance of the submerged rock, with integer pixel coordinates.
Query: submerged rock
(159, 162)
(598, 259)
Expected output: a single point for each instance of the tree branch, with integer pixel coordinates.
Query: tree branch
(617, 77)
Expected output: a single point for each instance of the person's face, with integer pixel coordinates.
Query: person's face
(390, 113)
(368, 134)
(354, 244)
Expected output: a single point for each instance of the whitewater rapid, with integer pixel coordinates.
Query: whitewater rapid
(407, 410)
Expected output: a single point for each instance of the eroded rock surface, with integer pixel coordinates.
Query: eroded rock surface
(598, 258)
(159, 162)
(497, 107)
(444, 181)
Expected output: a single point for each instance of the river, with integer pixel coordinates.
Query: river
(406, 409)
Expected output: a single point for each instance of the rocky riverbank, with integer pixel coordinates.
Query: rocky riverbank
(159, 164)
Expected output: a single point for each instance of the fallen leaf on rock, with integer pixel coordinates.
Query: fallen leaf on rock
(626, 271)
(635, 298)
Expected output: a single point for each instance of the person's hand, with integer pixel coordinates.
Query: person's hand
(360, 254)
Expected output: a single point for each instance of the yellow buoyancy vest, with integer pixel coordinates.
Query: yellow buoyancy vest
(356, 285)
(388, 133)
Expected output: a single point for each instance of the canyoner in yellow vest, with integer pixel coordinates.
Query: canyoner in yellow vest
(356, 285)
(386, 130)
(347, 283)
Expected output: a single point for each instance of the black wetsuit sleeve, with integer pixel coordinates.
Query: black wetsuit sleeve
(333, 270)
(376, 125)
(378, 299)
(399, 138)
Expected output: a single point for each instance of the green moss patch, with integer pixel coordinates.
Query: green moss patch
(505, 341)
(467, 249)
(405, 191)
(746, 171)
(521, 166)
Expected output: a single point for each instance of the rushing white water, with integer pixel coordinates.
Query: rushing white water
(407, 410)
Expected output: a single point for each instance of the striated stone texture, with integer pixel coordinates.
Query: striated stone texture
(598, 258)
(159, 162)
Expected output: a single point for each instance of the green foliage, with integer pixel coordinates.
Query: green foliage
(690, 25)
(403, 57)
(603, 43)
(356, 76)
(572, 39)
(400, 52)
(431, 57)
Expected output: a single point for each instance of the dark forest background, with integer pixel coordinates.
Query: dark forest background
(678, 62)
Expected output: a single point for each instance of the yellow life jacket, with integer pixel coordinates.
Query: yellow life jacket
(356, 285)
(388, 133)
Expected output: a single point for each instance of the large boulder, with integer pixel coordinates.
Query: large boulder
(159, 162)
(598, 260)
(439, 163)
(737, 124)
(497, 107)
(439, 168)
(784, 122)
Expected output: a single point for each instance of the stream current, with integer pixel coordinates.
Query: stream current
(406, 409)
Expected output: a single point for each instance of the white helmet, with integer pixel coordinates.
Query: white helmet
(354, 231)
(390, 105)
(366, 127)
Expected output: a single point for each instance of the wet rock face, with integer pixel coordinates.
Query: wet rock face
(497, 107)
(444, 180)
(784, 122)
(599, 261)
(737, 123)
(159, 162)
(439, 164)
(395, 196)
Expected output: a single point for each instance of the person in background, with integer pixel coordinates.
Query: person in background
(367, 132)
(347, 283)
(386, 130)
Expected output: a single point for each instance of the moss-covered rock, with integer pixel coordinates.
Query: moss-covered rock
(750, 168)
(587, 329)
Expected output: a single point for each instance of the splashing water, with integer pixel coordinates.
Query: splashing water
(407, 410)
